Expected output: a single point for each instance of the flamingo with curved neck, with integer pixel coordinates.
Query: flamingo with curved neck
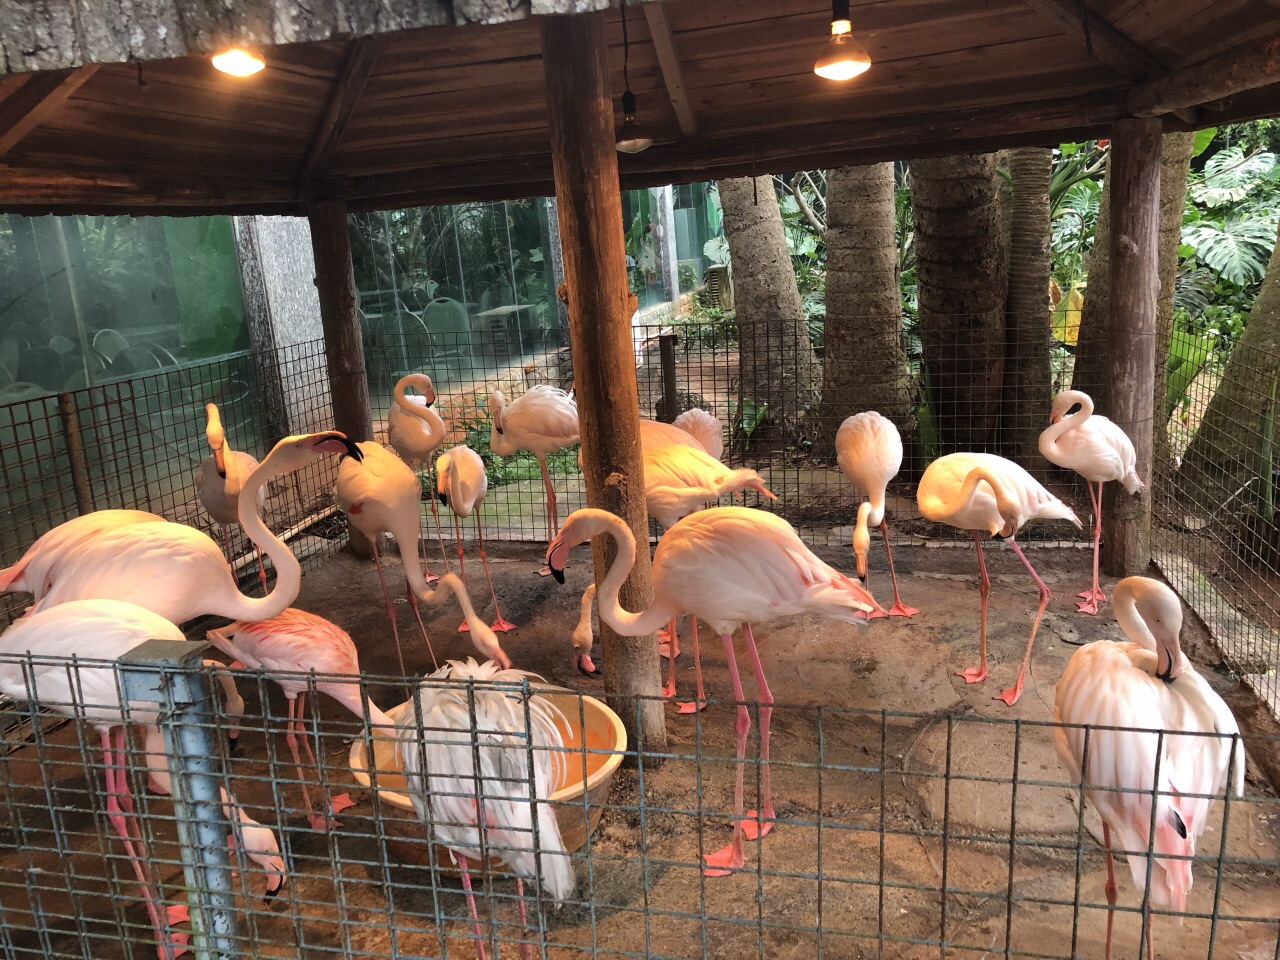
(1098, 450)
(416, 431)
(219, 480)
(728, 566)
(977, 492)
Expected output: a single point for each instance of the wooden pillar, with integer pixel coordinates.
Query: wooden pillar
(600, 305)
(1131, 336)
(343, 346)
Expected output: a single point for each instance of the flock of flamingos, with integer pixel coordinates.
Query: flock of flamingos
(108, 581)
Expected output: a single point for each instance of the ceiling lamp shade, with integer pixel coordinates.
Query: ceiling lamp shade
(238, 62)
(843, 57)
(632, 137)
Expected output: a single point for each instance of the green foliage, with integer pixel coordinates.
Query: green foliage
(1202, 140)
(1231, 175)
(1236, 247)
(753, 414)
(1188, 353)
(707, 327)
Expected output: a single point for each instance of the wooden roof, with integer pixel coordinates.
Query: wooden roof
(444, 113)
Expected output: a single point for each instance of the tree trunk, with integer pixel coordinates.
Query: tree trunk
(1223, 455)
(1090, 371)
(776, 362)
(1027, 386)
(1175, 163)
(864, 364)
(961, 266)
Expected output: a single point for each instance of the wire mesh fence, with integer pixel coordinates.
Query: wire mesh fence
(897, 834)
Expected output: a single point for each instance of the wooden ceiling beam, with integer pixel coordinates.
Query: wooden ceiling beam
(1243, 68)
(36, 101)
(664, 46)
(1110, 46)
(361, 58)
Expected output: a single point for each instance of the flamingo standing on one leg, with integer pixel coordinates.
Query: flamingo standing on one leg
(980, 491)
(288, 647)
(1099, 451)
(542, 420)
(219, 479)
(1134, 701)
(416, 432)
(95, 630)
(467, 768)
(461, 484)
(727, 566)
(869, 450)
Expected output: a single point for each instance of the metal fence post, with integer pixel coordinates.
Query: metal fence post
(170, 673)
(667, 356)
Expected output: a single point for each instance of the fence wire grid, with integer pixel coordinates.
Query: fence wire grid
(900, 835)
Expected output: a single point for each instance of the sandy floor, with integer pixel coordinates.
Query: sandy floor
(865, 805)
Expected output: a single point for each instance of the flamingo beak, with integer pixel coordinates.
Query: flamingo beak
(1054, 418)
(233, 742)
(586, 666)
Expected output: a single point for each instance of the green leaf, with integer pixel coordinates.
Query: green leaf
(1238, 248)
(1203, 139)
(753, 414)
(1065, 321)
(1188, 353)
(1230, 175)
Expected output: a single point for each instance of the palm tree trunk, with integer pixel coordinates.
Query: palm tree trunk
(864, 364)
(776, 363)
(961, 261)
(1027, 384)
(1175, 163)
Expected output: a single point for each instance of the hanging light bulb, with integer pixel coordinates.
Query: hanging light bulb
(843, 57)
(238, 62)
(632, 137)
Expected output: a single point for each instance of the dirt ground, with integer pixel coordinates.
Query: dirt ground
(871, 827)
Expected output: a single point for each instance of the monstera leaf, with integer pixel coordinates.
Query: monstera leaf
(1230, 175)
(1237, 248)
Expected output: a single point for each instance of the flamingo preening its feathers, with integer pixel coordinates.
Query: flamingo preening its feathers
(729, 566)
(1129, 709)
(1099, 451)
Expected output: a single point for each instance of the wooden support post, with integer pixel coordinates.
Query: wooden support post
(576, 66)
(343, 346)
(1131, 336)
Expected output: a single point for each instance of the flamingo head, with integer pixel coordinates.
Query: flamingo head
(1068, 404)
(1161, 610)
(486, 641)
(277, 874)
(497, 405)
(862, 539)
(216, 437)
(579, 527)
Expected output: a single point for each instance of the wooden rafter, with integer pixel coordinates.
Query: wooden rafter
(1246, 67)
(1110, 46)
(672, 76)
(361, 57)
(36, 101)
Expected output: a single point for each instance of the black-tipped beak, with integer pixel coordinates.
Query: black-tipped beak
(997, 536)
(443, 498)
(270, 895)
(352, 450)
(233, 742)
(558, 573)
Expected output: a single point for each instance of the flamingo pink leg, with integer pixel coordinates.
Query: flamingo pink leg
(435, 516)
(700, 701)
(499, 625)
(1112, 889)
(899, 609)
(471, 902)
(553, 522)
(525, 950)
(669, 688)
(978, 674)
(730, 858)
(391, 613)
(757, 824)
(292, 727)
(1011, 695)
(417, 612)
(1094, 596)
(262, 570)
(462, 567)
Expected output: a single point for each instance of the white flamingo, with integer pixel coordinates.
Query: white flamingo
(416, 431)
(729, 566)
(219, 479)
(461, 484)
(1128, 705)
(466, 748)
(92, 630)
(982, 492)
(542, 420)
(1099, 451)
(693, 428)
(869, 450)
(174, 570)
(290, 647)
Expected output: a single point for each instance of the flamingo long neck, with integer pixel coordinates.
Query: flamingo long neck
(288, 570)
(1049, 438)
(498, 441)
(862, 528)
(1135, 628)
(976, 475)
(349, 695)
(608, 603)
(435, 426)
(233, 482)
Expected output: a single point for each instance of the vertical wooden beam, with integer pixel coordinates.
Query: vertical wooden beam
(1131, 336)
(344, 348)
(600, 306)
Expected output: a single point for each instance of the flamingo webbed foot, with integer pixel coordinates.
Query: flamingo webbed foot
(321, 823)
(430, 577)
(1087, 606)
(756, 824)
(341, 802)
(900, 609)
(1011, 695)
(669, 690)
(723, 862)
(177, 913)
(666, 648)
(464, 627)
(973, 674)
(502, 626)
(175, 946)
(1093, 593)
(694, 706)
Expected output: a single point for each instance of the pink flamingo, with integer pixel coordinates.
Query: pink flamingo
(1099, 451)
(980, 491)
(693, 428)
(219, 479)
(416, 432)
(869, 450)
(95, 630)
(1119, 696)
(542, 420)
(171, 569)
(461, 484)
(290, 647)
(728, 566)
